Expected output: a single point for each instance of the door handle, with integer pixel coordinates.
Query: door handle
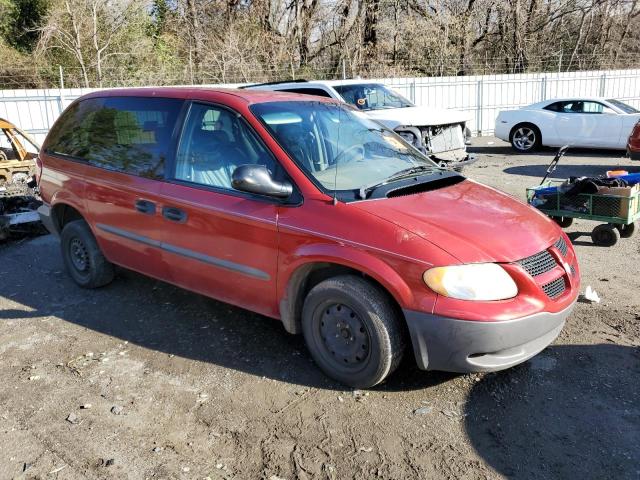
(146, 207)
(174, 214)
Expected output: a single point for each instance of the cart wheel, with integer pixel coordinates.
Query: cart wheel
(626, 231)
(564, 222)
(605, 235)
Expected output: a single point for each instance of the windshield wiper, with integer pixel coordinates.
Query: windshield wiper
(407, 172)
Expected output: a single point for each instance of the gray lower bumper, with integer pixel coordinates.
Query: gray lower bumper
(448, 344)
(44, 211)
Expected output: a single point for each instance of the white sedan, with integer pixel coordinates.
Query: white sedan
(585, 122)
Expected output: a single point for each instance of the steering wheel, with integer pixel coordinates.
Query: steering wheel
(349, 150)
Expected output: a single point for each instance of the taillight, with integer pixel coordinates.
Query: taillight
(38, 170)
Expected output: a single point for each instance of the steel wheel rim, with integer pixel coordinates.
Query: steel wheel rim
(344, 337)
(524, 138)
(79, 255)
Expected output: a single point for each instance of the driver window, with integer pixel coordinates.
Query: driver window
(214, 143)
(593, 107)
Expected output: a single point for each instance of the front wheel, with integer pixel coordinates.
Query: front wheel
(352, 331)
(82, 256)
(626, 231)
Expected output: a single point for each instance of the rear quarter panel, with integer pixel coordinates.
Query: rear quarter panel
(63, 182)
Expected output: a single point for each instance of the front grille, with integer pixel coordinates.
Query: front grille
(555, 288)
(543, 262)
(538, 264)
(562, 246)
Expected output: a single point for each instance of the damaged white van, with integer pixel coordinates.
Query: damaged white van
(440, 133)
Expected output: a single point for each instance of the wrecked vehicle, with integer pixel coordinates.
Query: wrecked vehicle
(18, 202)
(17, 154)
(18, 213)
(441, 134)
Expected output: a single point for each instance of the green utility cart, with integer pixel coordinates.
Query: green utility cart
(618, 213)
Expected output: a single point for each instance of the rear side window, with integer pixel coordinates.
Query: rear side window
(125, 134)
(554, 107)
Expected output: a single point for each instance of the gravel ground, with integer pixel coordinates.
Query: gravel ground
(144, 380)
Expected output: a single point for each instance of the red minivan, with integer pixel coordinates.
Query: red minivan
(633, 144)
(307, 211)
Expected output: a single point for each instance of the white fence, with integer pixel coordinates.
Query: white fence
(481, 96)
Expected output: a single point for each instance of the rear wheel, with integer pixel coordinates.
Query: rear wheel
(605, 235)
(82, 257)
(564, 222)
(626, 231)
(525, 138)
(352, 331)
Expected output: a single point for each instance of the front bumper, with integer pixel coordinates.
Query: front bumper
(441, 343)
(456, 165)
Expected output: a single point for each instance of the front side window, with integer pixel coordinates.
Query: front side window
(215, 141)
(339, 147)
(126, 134)
(580, 106)
(371, 96)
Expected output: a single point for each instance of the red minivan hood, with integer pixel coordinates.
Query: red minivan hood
(470, 221)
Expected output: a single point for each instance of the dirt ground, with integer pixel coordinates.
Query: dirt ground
(144, 380)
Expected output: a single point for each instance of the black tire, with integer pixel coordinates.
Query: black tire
(605, 235)
(82, 257)
(528, 131)
(564, 222)
(366, 343)
(626, 231)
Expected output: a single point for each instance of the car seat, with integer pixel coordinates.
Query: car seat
(214, 158)
(294, 138)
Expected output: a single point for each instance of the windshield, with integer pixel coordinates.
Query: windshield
(371, 96)
(337, 146)
(623, 106)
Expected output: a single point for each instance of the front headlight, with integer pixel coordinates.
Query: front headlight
(480, 281)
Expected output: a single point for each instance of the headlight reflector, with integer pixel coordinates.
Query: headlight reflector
(478, 281)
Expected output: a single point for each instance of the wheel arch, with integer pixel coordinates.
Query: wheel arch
(526, 124)
(305, 274)
(63, 213)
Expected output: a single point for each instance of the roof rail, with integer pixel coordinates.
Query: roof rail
(274, 83)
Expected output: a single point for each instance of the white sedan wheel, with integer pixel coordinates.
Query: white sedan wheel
(524, 139)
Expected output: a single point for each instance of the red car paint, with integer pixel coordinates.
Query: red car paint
(633, 144)
(392, 240)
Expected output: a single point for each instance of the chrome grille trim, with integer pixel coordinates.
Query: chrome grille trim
(555, 288)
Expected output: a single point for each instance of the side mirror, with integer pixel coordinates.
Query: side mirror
(257, 179)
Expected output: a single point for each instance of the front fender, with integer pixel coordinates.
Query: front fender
(296, 266)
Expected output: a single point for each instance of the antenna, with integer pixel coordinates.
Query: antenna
(335, 178)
